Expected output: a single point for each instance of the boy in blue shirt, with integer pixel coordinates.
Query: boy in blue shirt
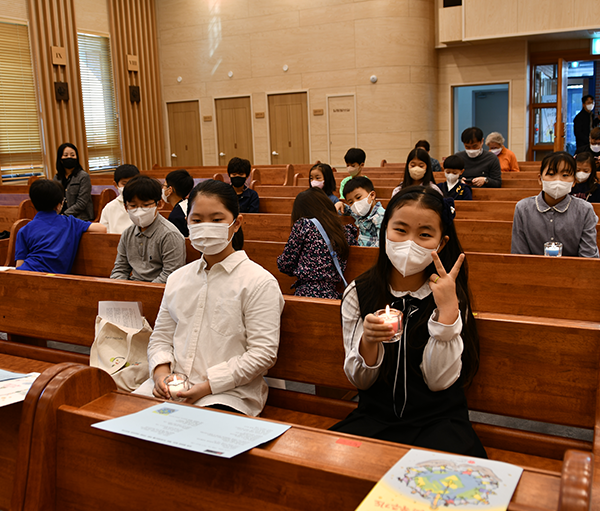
(50, 241)
(366, 210)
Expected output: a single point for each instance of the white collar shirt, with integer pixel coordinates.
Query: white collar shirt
(115, 217)
(220, 325)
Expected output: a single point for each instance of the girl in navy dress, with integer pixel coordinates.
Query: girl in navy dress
(306, 255)
(412, 391)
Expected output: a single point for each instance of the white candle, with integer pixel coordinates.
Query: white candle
(176, 386)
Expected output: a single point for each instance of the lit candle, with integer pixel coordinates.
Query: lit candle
(392, 317)
(175, 386)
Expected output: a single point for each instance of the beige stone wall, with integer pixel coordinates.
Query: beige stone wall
(472, 64)
(13, 9)
(331, 47)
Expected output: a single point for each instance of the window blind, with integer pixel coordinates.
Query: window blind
(99, 105)
(20, 141)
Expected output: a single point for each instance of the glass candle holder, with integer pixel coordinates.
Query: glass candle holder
(392, 317)
(553, 249)
(176, 382)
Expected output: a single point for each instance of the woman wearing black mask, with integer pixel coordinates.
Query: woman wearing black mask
(76, 182)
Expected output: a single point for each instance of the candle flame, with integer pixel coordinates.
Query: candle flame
(387, 310)
(175, 380)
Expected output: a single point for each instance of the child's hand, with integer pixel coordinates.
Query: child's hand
(375, 330)
(443, 286)
(198, 391)
(339, 206)
(160, 388)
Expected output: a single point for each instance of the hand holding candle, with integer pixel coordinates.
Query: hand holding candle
(393, 318)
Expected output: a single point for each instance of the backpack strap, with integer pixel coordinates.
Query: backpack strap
(331, 251)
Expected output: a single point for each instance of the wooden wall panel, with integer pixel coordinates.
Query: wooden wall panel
(52, 23)
(133, 32)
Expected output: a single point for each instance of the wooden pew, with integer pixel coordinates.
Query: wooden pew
(10, 419)
(292, 191)
(504, 194)
(66, 462)
(554, 364)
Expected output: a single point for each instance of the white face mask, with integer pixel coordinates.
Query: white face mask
(496, 151)
(353, 170)
(142, 217)
(582, 176)
(417, 173)
(210, 238)
(589, 107)
(120, 188)
(595, 148)
(451, 179)
(474, 153)
(164, 196)
(317, 184)
(557, 189)
(361, 207)
(408, 257)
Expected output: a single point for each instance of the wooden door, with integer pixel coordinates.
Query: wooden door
(234, 129)
(561, 104)
(288, 124)
(341, 127)
(184, 134)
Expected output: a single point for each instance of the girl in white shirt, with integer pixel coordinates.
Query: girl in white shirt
(411, 390)
(220, 315)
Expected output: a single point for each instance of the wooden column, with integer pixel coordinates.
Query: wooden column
(52, 23)
(133, 32)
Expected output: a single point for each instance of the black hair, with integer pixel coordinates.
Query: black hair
(471, 135)
(377, 280)
(355, 155)
(358, 182)
(552, 162)
(239, 166)
(60, 169)
(591, 181)
(181, 181)
(419, 154)
(144, 188)
(125, 171)
(454, 162)
(586, 97)
(46, 194)
(424, 144)
(314, 203)
(595, 134)
(329, 187)
(225, 193)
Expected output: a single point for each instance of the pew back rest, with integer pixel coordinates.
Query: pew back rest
(27, 209)
(12, 241)
(535, 369)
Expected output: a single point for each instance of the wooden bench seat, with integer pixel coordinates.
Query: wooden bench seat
(64, 462)
(543, 369)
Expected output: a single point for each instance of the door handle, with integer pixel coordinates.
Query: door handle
(275, 153)
(221, 154)
(173, 155)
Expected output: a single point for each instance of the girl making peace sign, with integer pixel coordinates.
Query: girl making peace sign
(411, 390)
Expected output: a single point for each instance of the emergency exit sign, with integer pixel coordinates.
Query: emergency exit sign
(596, 46)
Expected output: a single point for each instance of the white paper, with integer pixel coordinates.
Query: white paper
(15, 390)
(9, 375)
(123, 314)
(426, 480)
(4, 268)
(195, 429)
